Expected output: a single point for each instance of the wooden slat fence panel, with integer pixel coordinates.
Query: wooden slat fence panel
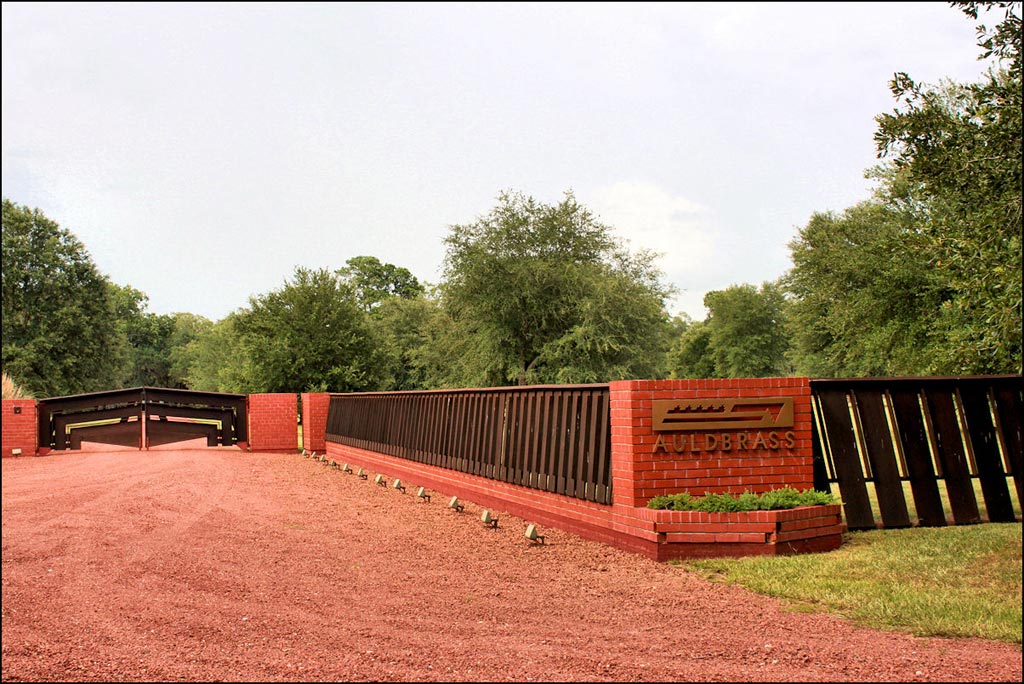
(554, 438)
(882, 456)
(887, 431)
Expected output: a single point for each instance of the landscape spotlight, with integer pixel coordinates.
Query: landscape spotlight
(531, 534)
(380, 480)
(454, 503)
(421, 493)
(397, 484)
(361, 474)
(487, 519)
(345, 468)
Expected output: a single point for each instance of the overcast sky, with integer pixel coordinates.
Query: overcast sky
(203, 151)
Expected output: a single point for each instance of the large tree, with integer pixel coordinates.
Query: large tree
(374, 282)
(311, 334)
(866, 301)
(540, 293)
(745, 335)
(61, 331)
(214, 359)
(956, 150)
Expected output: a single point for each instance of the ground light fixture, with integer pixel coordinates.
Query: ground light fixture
(380, 480)
(397, 484)
(361, 474)
(345, 468)
(531, 534)
(455, 505)
(487, 519)
(421, 493)
(334, 464)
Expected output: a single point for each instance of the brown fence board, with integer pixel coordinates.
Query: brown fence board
(546, 467)
(985, 445)
(950, 451)
(821, 481)
(1009, 407)
(603, 480)
(849, 473)
(914, 443)
(885, 472)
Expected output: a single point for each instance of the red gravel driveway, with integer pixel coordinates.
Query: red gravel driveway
(213, 564)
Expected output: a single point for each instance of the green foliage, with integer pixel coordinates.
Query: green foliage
(925, 278)
(311, 334)
(61, 330)
(403, 329)
(957, 148)
(864, 297)
(214, 359)
(374, 282)
(745, 334)
(538, 293)
(151, 341)
(776, 499)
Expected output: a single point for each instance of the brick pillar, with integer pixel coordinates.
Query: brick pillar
(314, 421)
(273, 422)
(20, 431)
(720, 459)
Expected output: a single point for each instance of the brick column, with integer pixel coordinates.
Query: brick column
(273, 422)
(648, 463)
(314, 421)
(19, 427)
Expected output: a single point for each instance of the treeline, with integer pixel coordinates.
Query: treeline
(922, 278)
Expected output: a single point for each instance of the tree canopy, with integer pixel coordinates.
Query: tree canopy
(955, 153)
(310, 334)
(544, 293)
(61, 331)
(925, 277)
(744, 335)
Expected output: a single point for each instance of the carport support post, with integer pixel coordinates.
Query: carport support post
(144, 435)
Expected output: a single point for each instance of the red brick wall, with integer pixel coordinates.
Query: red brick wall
(639, 530)
(19, 429)
(273, 422)
(314, 421)
(640, 471)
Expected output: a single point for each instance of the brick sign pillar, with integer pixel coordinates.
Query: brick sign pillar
(314, 421)
(20, 432)
(709, 436)
(273, 422)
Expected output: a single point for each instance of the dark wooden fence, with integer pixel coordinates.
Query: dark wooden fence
(553, 438)
(888, 431)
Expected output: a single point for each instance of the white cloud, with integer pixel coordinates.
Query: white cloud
(678, 228)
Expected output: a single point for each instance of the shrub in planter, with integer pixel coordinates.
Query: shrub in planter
(727, 503)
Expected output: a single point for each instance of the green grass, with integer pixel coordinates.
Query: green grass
(950, 581)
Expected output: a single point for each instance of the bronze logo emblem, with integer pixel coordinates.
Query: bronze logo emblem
(722, 414)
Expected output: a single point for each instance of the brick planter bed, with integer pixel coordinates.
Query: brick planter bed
(695, 534)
